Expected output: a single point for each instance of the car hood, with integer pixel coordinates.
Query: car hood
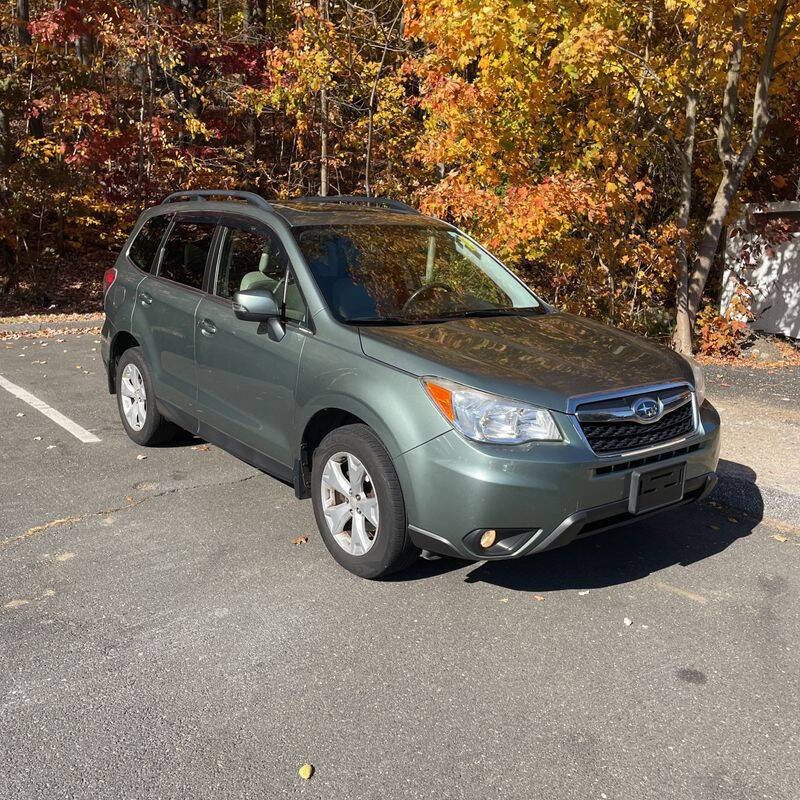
(545, 359)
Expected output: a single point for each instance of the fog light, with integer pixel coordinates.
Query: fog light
(487, 539)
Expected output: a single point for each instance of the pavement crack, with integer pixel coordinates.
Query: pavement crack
(73, 520)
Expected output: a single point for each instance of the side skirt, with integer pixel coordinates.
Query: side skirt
(233, 446)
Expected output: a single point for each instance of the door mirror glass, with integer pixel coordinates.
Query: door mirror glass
(256, 305)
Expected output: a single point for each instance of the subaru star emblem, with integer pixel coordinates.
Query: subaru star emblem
(647, 409)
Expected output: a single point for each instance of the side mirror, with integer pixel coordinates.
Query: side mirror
(260, 305)
(255, 305)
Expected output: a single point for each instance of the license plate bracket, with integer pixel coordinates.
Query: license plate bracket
(657, 487)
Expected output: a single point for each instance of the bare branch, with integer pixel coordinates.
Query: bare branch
(761, 115)
(730, 99)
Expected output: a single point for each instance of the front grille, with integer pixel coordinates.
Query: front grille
(624, 466)
(617, 437)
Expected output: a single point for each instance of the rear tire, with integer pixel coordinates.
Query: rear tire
(354, 485)
(136, 401)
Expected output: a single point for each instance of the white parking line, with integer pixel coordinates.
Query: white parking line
(65, 422)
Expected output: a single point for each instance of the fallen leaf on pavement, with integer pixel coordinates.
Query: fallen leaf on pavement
(584, 592)
(141, 457)
(538, 598)
(779, 538)
(300, 540)
(20, 413)
(627, 622)
(714, 527)
(37, 438)
(202, 447)
(306, 771)
(503, 600)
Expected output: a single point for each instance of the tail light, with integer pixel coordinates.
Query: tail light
(108, 280)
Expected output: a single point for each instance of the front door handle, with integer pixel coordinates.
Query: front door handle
(207, 327)
(145, 299)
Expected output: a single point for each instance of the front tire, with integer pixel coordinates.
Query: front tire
(136, 401)
(358, 503)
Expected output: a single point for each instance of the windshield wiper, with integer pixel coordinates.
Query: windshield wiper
(390, 321)
(495, 312)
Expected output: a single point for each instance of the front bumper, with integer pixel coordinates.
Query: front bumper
(537, 496)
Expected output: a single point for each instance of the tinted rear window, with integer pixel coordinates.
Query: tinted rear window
(144, 246)
(186, 251)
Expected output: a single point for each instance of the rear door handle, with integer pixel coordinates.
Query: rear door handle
(145, 299)
(207, 327)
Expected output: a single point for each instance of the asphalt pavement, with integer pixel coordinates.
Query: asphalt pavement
(162, 636)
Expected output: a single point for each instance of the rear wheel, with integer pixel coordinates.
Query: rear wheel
(136, 401)
(359, 505)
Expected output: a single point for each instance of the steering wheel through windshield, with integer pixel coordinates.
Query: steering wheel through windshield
(414, 296)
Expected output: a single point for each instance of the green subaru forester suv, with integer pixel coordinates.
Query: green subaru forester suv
(395, 372)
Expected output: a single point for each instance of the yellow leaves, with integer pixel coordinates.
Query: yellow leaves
(306, 771)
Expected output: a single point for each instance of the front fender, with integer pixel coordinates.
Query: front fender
(392, 402)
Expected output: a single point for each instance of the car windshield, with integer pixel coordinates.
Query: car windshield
(409, 274)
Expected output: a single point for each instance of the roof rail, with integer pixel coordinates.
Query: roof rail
(205, 194)
(360, 200)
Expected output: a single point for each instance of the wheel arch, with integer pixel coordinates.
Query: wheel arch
(122, 341)
(319, 422)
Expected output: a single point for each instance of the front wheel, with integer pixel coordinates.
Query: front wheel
(358, 503)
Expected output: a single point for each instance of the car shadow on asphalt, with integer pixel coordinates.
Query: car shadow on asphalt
(682, 537)
(181, 438)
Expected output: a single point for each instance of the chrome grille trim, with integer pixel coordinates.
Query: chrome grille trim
(590, 399)
(669, 401)
(627, 391)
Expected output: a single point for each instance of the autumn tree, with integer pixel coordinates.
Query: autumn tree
(759, 29)
(598, 147)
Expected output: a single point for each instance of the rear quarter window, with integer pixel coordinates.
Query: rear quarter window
(144, 247)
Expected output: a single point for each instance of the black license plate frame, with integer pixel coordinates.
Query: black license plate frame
(657, 487)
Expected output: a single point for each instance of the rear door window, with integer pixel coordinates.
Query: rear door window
(186, 251)
(144, 247)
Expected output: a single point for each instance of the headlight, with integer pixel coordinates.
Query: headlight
(699, 380)
(486, 417)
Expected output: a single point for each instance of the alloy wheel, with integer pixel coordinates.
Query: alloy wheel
(134, 397)
(349, 503)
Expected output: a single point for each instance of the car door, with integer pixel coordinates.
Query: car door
(246, 377)
(164, 316)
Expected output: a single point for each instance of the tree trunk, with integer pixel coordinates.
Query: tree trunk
(35, 125)
(726, 192)
(682, 339)
(5, 139)
(371, 106)
(323, 124)
(23, 15)
(735, 165)
(254, 17)
(323, 142)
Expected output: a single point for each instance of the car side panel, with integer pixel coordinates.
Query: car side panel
(246, 380)
(393, 403)
(165, 329)
(120, 301)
